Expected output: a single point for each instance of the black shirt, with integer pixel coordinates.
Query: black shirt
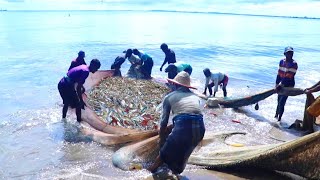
(118, 62)
(170, 57)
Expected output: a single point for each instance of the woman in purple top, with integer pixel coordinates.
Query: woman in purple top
(71, 96)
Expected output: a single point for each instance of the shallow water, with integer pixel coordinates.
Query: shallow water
(37, 47)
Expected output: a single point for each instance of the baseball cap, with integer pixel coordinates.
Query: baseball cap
(287, 49)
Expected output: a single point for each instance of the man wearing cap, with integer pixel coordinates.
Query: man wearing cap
(174, 68)
(73, 97)
(188, 127)
(216, 80)
(78, 61)
(170, 55)
(285, 78)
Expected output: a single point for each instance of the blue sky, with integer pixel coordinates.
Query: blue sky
(266, 7)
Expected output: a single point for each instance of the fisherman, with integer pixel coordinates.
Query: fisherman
(116, 65)
(188, 127)
(170, 55)
(78, 61)
(216, 80)
(135, 68)
(174, 68)
(147, 63)
(285, 78)
(313, 110)
(73, 97)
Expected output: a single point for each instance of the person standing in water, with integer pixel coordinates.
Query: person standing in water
(78, 61)
(147, 63)
(188, 127)
(174, 68)
(116, 65)
(170, 55)
(73, 97)
(285, 78)
(216, 80)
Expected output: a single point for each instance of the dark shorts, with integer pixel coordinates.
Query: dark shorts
(68, 93)
(225, 80)
(187, 132)
(146, 68)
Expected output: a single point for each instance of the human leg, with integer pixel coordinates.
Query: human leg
(157, 163)
(210, 88)
(282, 103)
(277, 109)
(224, 85)
(224, 88)
(63, 91)
(65, 110)
(78, 113)
(149, 66)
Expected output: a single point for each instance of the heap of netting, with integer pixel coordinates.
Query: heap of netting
(129, 103)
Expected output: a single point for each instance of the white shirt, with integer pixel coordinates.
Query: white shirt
(215, 78)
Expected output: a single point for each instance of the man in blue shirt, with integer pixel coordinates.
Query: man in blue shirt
(147, 63)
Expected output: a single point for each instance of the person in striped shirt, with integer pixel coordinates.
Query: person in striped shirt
(285, 78)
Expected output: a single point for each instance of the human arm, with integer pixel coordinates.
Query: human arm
(166, 108)
(164, 62)
(314, 88)
(80, 88)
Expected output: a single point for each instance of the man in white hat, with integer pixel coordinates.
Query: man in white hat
(285, 78)
(188, 127)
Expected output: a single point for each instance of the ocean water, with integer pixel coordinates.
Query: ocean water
(36, 48)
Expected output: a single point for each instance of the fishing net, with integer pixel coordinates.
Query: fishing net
(129, 103)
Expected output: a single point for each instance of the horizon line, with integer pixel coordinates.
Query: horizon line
(159, 10)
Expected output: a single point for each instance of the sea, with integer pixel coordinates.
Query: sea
(36, 48)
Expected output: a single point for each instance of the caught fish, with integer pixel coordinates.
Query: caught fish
(130, 103)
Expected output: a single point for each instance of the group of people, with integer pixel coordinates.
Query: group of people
(179, 140)
(71, 86)
(141, 64)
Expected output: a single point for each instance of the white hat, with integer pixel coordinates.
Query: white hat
(182, 79)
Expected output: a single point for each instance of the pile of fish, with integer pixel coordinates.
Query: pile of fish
(129, 103)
